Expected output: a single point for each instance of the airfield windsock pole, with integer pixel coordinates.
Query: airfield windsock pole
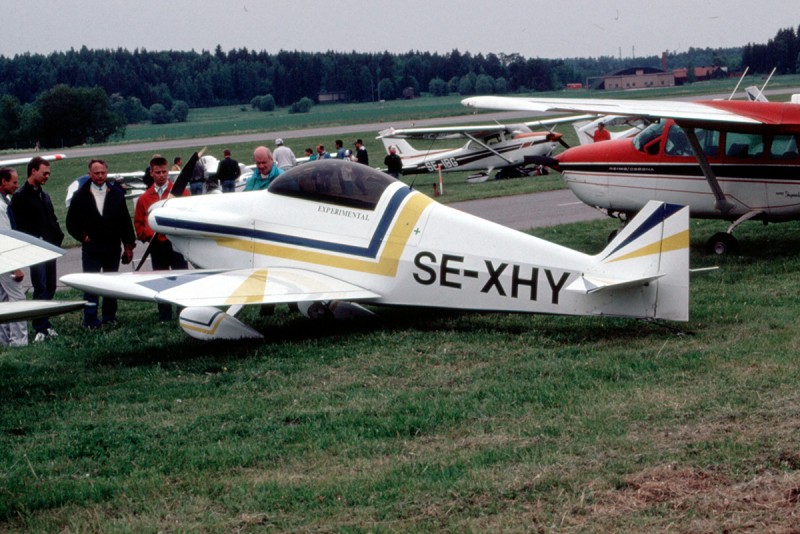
(441, 183)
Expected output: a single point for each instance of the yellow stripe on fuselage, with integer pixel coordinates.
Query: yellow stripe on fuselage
(386, 264)
(250, 291)
(675, 242)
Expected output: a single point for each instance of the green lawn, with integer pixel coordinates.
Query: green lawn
(422, 420)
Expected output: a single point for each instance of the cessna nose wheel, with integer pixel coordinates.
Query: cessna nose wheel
(722, 244)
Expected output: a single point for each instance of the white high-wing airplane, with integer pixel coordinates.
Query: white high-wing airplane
(500, 147)
(25, 160)
(329, 232)
(725, 159)
(18, 250)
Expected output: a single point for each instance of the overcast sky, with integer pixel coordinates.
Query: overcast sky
(532, 28)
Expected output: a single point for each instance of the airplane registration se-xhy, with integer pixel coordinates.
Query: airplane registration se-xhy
(331, 232)
(730, 160)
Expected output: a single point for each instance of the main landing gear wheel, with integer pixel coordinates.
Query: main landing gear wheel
(722, 244)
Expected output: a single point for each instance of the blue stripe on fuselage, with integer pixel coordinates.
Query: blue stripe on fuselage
(370, 251)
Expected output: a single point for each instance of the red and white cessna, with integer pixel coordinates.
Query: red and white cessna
(731, 160)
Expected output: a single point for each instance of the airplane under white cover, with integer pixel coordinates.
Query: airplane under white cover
(331, 232)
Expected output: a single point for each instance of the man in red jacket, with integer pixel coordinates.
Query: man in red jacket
(161, 254)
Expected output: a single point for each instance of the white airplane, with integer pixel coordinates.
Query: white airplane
(725, 159)
(18, 250)
(25, 160)
(501, 147)
(330, 232)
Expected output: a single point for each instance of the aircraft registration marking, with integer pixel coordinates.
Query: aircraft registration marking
(524, 281)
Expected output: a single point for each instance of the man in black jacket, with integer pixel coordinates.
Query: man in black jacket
(99, 219)
(34, 215)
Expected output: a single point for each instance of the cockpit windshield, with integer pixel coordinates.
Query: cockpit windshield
(643, 138)
(343, 183)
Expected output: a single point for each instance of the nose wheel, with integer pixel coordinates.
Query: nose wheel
(722, 244)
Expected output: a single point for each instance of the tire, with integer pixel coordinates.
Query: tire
(722, 244)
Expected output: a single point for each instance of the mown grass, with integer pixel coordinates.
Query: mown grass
(423, 420)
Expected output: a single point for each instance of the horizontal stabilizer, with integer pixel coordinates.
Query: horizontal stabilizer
(220, 287)
(587, 284)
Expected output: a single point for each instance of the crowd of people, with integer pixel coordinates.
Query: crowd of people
(99, 219)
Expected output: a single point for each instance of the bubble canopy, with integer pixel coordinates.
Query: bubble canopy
(343, 183)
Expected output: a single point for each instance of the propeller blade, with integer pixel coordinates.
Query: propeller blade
(177, 190)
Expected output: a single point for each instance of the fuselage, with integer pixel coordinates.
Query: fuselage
(358, 225)
(757, 171)
(505, 152)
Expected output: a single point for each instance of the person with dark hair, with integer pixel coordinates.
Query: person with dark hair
(177, 163)
(227, 172)
(162, 256)
(34, 214)
(361, 152)
(98, 218)
(11, 334)
(341, 153)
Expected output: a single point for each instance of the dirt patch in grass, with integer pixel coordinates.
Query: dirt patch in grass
(708, 502)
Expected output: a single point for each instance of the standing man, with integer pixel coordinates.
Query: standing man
(34, 214)
(177, 163)
(321, 154)
(11, 334)
(341, 153)
(198, 179)
(162, 256)
(227, 172)
(394, 165)
(284, 157)
(266, 170)
(361, 152)
(98, 218)
(601, 134)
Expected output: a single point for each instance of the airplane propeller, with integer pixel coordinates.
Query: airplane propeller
(177, 190)
(559, 137)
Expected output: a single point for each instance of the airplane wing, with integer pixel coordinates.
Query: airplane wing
(24, 161)
(18, 250)
(700, 112)
(34, 309)
(220, 287)
(458, 132)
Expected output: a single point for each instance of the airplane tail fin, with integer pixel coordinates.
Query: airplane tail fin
(648, 259)
(404, 149)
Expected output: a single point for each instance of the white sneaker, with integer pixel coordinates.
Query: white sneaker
(40, 336)
(51, 332)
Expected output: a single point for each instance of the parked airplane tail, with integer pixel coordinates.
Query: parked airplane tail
(404, 149)
(649, 259)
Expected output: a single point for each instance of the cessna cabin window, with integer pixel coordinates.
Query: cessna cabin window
(677, 142)
(343, 183)
(783, 147)
(647, 139)
(744, 145)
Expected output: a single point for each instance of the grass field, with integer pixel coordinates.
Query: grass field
(423, 420)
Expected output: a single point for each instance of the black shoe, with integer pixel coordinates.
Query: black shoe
(93, 324)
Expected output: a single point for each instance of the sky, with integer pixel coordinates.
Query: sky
(532, 28)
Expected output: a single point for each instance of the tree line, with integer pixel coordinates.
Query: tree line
(85, 95)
